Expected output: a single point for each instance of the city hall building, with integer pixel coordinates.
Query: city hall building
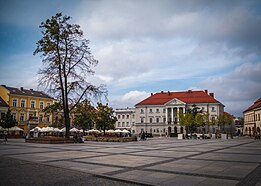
(159, 113)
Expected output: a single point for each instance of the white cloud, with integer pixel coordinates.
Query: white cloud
(238, 89)
(129, 99)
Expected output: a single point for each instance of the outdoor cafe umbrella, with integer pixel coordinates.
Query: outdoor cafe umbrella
(93, 131)
(125, 131)
(56, 130)
(39, 129)
(117, 131)
(74, 129)
(15, 128)
(110, 131)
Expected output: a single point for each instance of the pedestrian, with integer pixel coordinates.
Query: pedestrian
(5, 137)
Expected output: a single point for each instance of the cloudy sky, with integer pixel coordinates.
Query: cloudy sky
(146, 46)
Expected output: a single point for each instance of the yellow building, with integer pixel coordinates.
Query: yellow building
(252, 119)
(27, 106)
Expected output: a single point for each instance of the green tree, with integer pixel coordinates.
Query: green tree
(8, 120)
(194, 111)
(206, 120)
(199, 120)
(85, 115)
(105, 119)
(67, 62)
(186, 120)
(52, 109)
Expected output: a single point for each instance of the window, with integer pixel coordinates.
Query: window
(133, 116)
(123, 116)
(164, 110)
(213, 109)
(164, 120)
(47, 104)
(202, 108)
(157, 120)
(22, 117)
(22, 103)
(41, 118)
(213, 119)
(123, 124)
(41, 105)
(14, 116)
(119, 124)
(127, 116)
(150, 110)
(14, 102)
(142, 120)
(48, 119)
(157, 130)
(119, 116)
(157, 110)
(127, 124)
(141, 111)
(150, 120)
(32, 104)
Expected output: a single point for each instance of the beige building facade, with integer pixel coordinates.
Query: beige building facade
(27, 106)
(252, 119)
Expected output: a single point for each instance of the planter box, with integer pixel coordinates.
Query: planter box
(180, 136)
(224, 136)
(49, 140)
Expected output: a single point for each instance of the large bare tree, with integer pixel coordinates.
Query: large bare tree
(67, 61)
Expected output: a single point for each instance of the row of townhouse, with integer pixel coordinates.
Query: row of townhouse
(159, 113)
(252, 118)
(26, 106)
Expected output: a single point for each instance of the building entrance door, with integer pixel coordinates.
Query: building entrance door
(169, 131)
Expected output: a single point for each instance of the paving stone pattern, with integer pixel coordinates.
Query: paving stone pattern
(157, 161)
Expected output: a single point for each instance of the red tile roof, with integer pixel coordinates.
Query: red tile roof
(257, 104)
(228, 114)
(187, 97)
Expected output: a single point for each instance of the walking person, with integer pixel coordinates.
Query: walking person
(5, 137)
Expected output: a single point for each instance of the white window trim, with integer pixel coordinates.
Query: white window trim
(24, 103)
(31, 104)
(40, 104)
(13, 102)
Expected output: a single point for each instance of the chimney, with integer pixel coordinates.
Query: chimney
(4, 85)
(189, 91)
(151, 94)
(22, 88)
(168, 92)
(162, 92)
(212, 95)
(31, 89)
(206, 91)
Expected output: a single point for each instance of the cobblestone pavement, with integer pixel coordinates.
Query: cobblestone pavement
(158, 161)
